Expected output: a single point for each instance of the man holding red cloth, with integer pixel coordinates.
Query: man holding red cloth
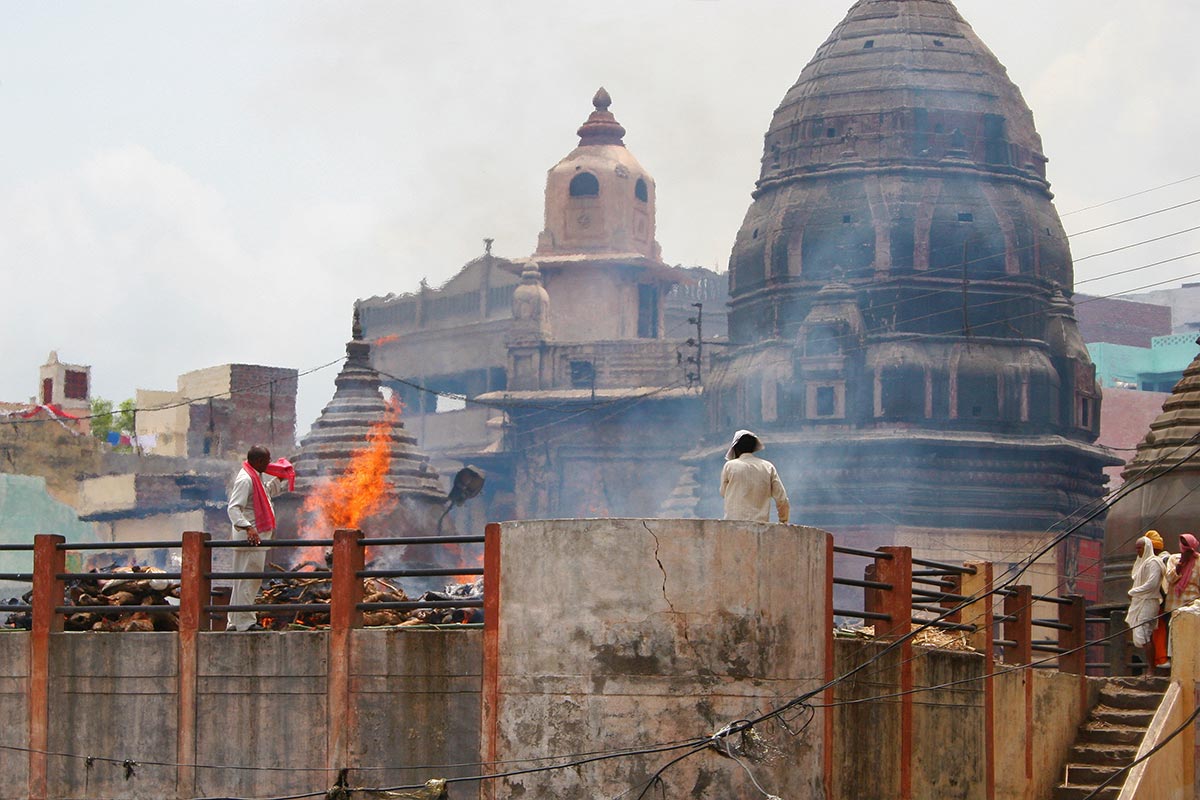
(253, 519)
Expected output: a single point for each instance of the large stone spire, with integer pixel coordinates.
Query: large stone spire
(1162, 480)
(345, 424)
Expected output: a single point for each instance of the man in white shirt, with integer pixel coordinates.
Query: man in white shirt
(253, 526)
(749, 483)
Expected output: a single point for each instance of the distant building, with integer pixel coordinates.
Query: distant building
(67, 386)
(1156, 368)
(1122, 321)
(1183, 301)
(219, 412)
(569, 359)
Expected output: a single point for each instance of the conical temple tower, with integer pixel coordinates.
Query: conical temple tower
(1162, 480)
(346, 425)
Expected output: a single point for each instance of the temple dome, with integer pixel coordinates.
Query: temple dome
(902, 154)
(599, 199)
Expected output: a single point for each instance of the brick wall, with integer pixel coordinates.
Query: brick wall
(1120, 321)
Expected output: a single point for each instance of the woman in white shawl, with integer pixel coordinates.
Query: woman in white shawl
(1144, 598)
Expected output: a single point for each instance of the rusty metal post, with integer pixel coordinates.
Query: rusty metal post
(48, 594)
(490, 711)
(981, 614)
(1019, 630)
(195, 589)
(953, 585)
(1075, 615)
(897, 602)
(344, 617)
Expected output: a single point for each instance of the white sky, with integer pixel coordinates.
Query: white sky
(194, 183)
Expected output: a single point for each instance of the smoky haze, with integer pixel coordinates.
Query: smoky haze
(199, 183)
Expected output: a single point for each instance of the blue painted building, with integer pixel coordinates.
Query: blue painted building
(1156, 368)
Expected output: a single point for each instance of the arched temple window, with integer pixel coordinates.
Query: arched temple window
(585, 185)
(640, 191)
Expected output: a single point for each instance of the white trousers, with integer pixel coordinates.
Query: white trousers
(246, 559)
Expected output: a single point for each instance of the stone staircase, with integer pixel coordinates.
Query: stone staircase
(1109, 738)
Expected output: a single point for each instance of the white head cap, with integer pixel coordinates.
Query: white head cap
(729, 454)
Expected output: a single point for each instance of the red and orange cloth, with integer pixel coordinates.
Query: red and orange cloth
(264, 514)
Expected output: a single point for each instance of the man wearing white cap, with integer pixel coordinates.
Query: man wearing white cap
(748, 483)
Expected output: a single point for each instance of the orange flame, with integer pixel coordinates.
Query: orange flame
(361, 491)
(391, 337)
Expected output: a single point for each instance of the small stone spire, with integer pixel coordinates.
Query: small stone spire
(356, 332)
(601, 126)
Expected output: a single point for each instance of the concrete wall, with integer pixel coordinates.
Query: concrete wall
(262, 723)
(1036, 714)
(618, 633)
(14, 666)
(1037, 717)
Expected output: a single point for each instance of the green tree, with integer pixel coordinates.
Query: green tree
(102, 417)
(125, 420)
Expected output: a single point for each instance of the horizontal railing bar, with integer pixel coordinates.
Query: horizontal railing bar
(1046, 598)
(119, 576)
(936, 610)
(1003, 618)
(926, 582)
(109, 610)
(118, 545)
(1004, 642)
(1097, 620)
(841, 612)
(863, 584)
(958, 598)
(370, 541)
(1005, 592)
(1050, 623)
(411, 605)
(270, 543)
(962, 570)
(15, 609)
(315, 575)
(949, 626)
(16, 548)
(16, 576)
(297, 607)
(853, 551)
(1048, 648)
(933, 573)
(431, 572)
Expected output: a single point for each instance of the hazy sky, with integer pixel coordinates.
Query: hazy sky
(190, 184)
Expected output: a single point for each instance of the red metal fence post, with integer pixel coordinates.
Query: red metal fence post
(1019, 605)
(344, 617)
(490, 711)
(981, 613)
(897, 602)
(48, 562)
(195, 592)
(1075, 639)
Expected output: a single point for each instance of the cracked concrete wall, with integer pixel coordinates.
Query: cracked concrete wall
(626, 633)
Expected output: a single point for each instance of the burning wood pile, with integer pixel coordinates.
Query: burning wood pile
(299, 590)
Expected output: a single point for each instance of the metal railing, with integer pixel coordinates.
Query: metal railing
(197, 608)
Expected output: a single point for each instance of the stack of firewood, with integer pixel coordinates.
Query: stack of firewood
(140, 588)
(20, 620)
(295, 590)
